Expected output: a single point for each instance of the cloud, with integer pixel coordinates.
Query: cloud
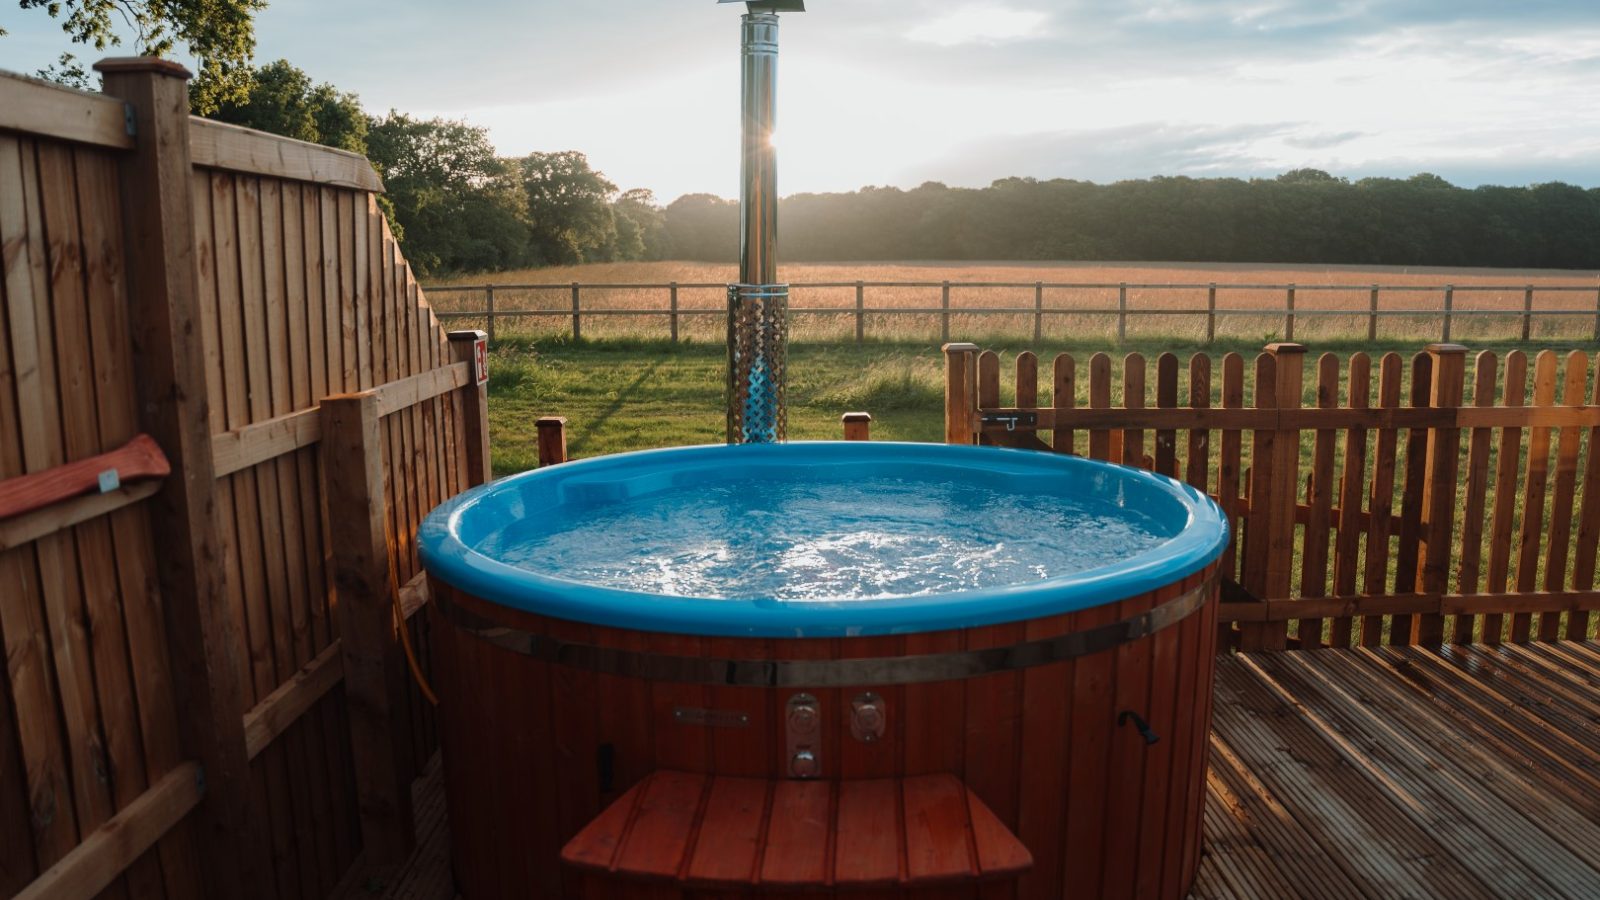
(979, 25)
(1322, 140)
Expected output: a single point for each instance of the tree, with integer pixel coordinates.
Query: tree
(219, 33)
(569, 205)
(281, 99)
(641, 231)
(462, 208)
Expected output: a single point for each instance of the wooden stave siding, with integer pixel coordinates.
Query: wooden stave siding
(329, 299)
(1552, 466)
(87, 717)
(537, 767)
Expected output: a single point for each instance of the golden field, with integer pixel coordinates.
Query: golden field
(1079, 299)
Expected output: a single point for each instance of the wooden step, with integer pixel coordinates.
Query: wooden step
(741, 833)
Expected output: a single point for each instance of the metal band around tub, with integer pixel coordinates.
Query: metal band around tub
(821, 673)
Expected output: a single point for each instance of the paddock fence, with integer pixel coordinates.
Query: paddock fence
(1373, 501)
(845, 309)
(205, 692)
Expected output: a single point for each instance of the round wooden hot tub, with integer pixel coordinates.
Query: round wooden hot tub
(678, 745)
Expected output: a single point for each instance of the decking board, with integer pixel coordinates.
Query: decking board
(1429, 746)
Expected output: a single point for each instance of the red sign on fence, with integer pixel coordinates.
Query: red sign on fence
(480, 360)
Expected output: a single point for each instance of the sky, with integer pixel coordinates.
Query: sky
(873, 92)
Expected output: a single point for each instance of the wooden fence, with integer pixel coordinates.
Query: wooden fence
(1372, 501)
(1160, 301)
(204, 693)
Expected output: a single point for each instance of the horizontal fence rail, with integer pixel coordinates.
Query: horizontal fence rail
(1119, 306)
(1372, 500)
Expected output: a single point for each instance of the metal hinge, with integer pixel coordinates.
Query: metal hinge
(1011, 419)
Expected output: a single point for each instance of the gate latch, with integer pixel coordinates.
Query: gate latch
(1010, 419)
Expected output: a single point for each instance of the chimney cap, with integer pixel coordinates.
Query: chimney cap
(771, 5)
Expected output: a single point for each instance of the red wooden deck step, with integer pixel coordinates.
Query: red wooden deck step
(721, 832)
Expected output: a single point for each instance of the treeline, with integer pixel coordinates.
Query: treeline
(457, 207)
(1304, 216)
(454, 205)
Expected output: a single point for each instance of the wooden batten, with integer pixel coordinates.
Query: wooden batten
(217, 145)
(37, 107)
(284, 706)
(164, 316)
(94, 864)
(32, 526)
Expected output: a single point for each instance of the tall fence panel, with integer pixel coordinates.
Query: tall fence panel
(192, 623)
(88, 722)
(1405, 509)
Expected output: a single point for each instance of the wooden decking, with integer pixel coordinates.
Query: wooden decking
(1403, 772)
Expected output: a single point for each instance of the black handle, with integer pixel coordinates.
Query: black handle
(1150, 737)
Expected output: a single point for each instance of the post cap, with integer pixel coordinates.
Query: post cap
(1282, 347)
(550, 422)
(851, 417)
(959, 348)
(469, 334)
(122, 64)
(1446, 348)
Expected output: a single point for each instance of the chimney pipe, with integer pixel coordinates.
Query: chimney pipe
(758, 326)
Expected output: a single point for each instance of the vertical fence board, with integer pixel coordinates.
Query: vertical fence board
(1573, 393)
(1064, 395)
(1133, 390)
(1258, 519)
(1347, 541)
(1408, 543)
(1507, 464)
(1198, 453)
(1166, 440)
(1319, 498)
(1535, 481)
(1473, 511)
(1229, 463)
(1588, 537)
(1100, 398)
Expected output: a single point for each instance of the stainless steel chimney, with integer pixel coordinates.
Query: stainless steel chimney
(758, 319)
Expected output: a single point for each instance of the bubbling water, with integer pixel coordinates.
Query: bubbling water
(792, 539)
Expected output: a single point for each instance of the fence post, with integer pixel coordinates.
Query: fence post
(1439, 490)
(156, 182)
(960, 393)
(1038, 311)
(1449, 311)
(1372, 315)
(1597, 315)
(1288, 315)
(1527, 312)
(488, 295)
(857, 426)
(472, 347)
(552, 432)
(577, 317)
(1211, 312)
(944, 317)
(374, 668)
(1275, 487)
(672, 302)
(1122, 312)
(861, 315)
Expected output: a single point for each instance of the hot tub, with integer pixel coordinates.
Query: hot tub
(1039, 627)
